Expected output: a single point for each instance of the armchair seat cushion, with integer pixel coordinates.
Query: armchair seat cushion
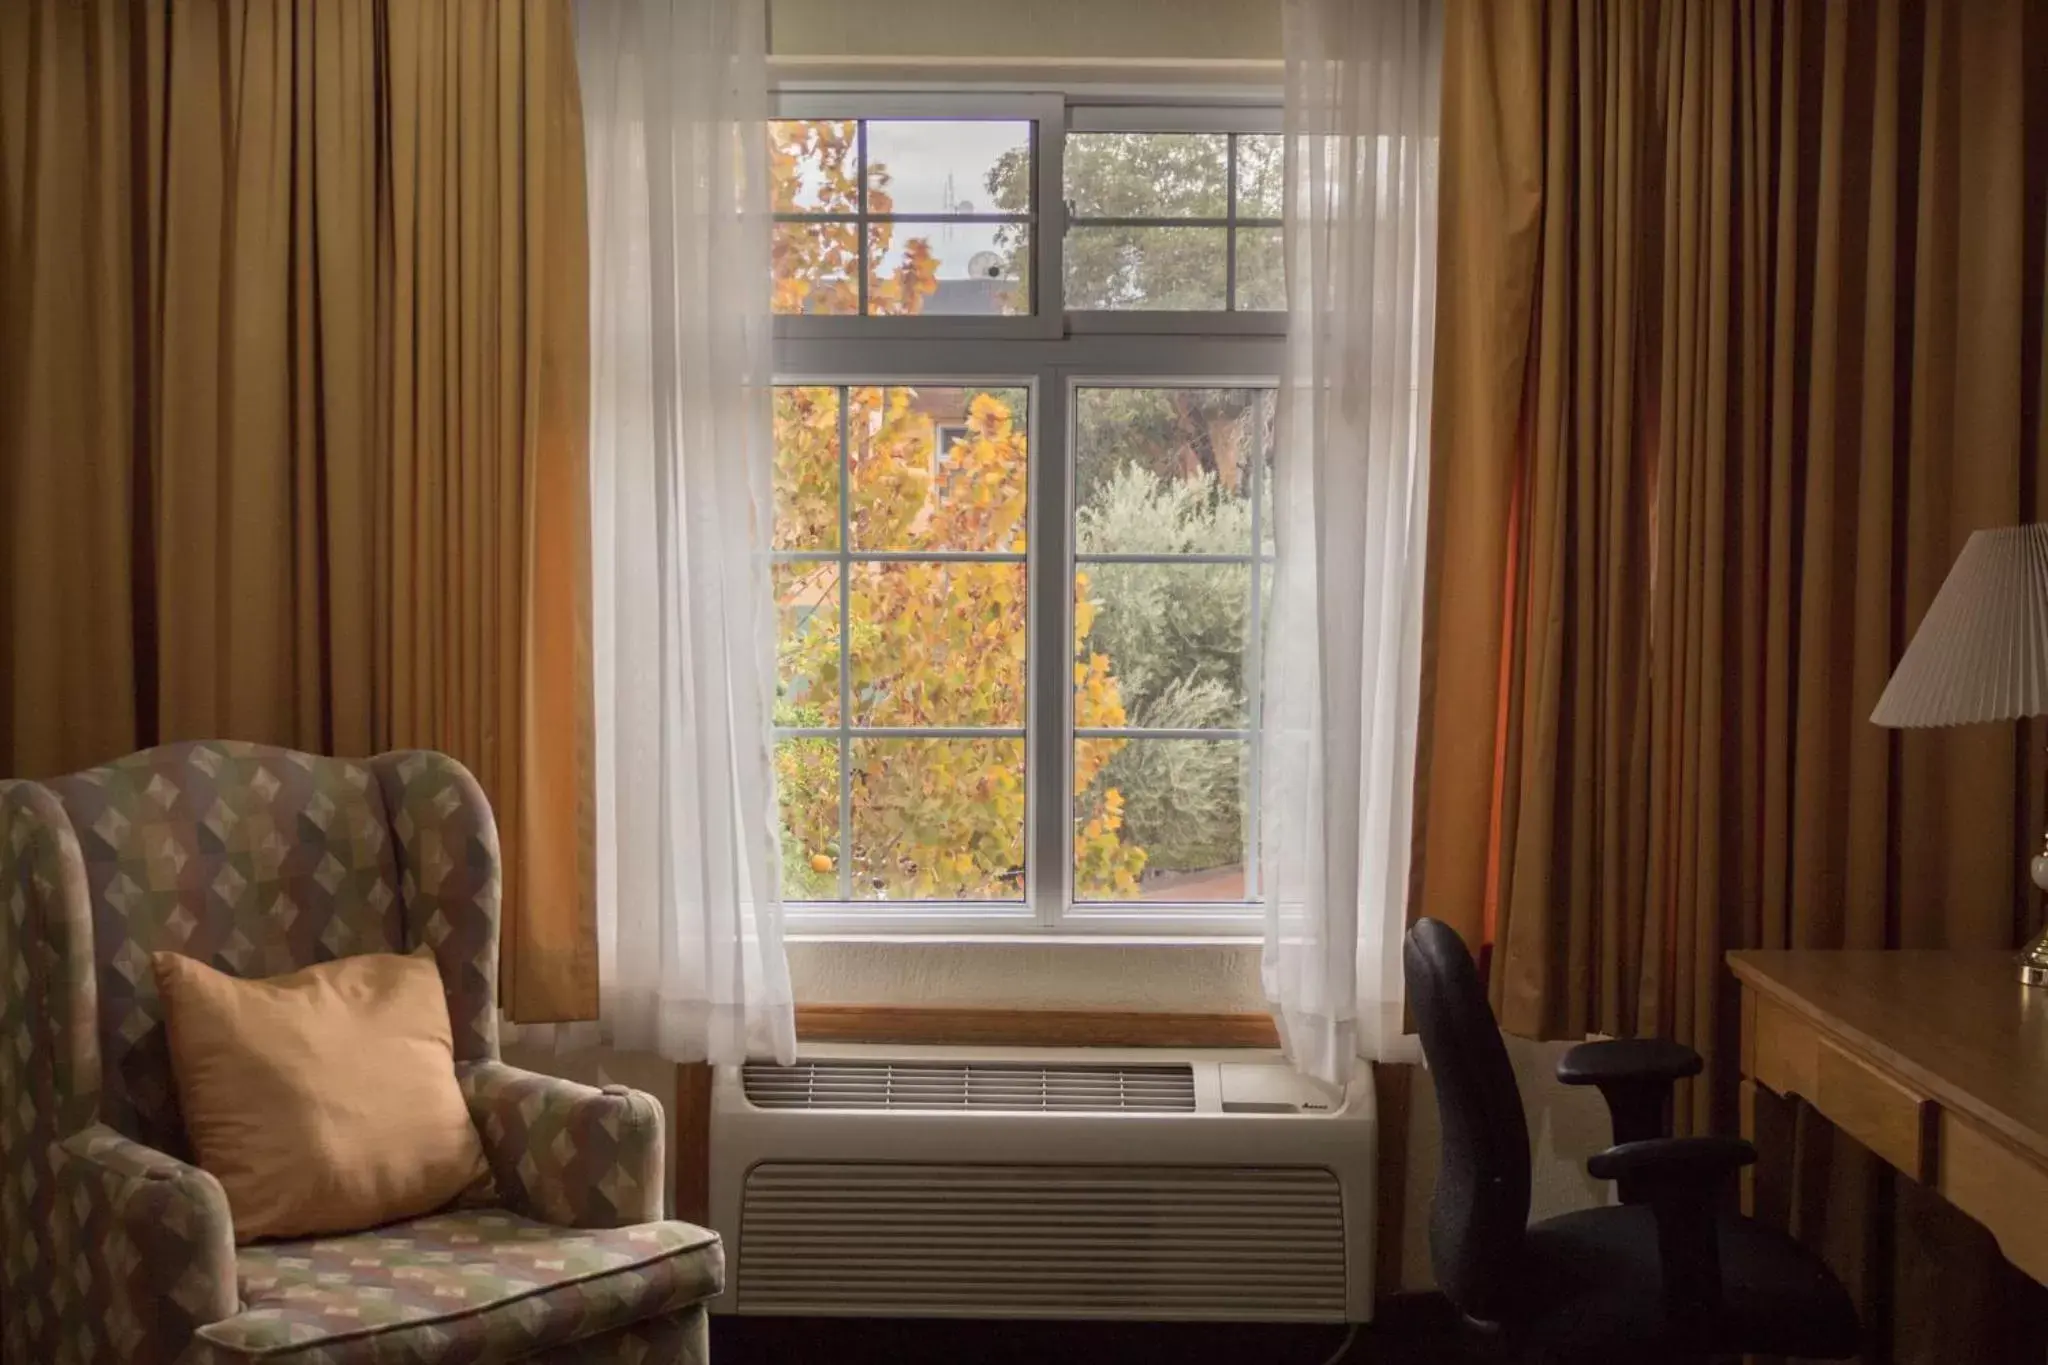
(457, 1288)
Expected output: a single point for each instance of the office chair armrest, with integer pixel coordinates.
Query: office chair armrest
(1635, 1077)
(1627, 1059)
(1673, 1164)
(1681, 1180)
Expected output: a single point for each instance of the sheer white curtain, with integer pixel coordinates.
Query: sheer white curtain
(675, 99)
(1341, 657)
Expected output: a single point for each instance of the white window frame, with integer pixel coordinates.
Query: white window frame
(1050, 354)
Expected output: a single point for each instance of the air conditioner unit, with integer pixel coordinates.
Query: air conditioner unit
(1055, 1183)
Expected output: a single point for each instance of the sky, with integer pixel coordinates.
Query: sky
(920, 154)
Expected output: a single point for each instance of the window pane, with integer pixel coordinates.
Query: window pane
(807, 785)
(1161, 646)
(814, 268)
(806, 468)
(1146, 175)
(806, 645)
(814, 166)
(938, 644)
(1160, 820)
(1167, 470)
(939, 468)
(946, 166)
(1261, 283)
(1145, 267)
(1260, 166)
(938, 819)
(952, 269)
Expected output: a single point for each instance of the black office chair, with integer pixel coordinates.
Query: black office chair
(1667, 1275)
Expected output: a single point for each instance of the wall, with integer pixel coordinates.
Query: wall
(1202, 978)
(1035, 30)
(1566, 1125)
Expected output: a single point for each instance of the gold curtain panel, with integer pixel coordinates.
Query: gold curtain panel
(293, 404)
(1742, 331)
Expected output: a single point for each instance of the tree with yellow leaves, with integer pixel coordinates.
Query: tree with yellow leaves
(932, 643)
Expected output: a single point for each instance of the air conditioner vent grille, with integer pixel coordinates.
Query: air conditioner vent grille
(1083, 1089)
(928, 1239)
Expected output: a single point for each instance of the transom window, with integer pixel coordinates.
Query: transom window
(1183, 221)
(887, 217)
(1023, 533)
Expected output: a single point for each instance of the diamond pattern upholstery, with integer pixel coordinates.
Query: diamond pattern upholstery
(260, 861)
(566, 1154)
(465, 1286)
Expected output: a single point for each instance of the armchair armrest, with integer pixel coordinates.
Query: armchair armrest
(159, 1237)
(1681, 1179)
(568, 1154)
(1634, 1076)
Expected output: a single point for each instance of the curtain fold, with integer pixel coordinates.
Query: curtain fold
(1742, 335)
(1350, 486)
(690, 923)
(1536, 607)
(292, 426)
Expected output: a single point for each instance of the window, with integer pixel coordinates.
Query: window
(878, 217)
(903, 641)
(1184, 221)
(1023, 426)
(1168, 524)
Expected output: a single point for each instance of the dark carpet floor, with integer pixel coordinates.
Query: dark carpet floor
(1409, 1332)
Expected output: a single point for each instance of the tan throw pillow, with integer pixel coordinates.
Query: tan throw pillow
(323, 1101)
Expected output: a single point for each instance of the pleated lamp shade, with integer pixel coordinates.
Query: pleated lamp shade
(1981, 652)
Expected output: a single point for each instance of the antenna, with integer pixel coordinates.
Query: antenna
(951, 202)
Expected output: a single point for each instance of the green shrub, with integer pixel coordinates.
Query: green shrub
(1176, 635)
(1184, 799)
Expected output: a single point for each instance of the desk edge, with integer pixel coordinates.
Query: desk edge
(1946, 1093)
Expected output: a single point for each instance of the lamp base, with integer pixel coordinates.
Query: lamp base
(2033, 961)
(2034, 957)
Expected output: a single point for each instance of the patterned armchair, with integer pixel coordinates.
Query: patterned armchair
(114, 1247)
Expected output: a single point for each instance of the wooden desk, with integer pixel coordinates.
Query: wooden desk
(1936, 1061)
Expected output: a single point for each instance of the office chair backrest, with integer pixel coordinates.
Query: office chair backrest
(1482, 1185)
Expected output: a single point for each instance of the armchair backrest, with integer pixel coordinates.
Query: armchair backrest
(252, 859)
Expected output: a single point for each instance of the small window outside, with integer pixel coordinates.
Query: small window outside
(1172, 543)
(1179, 221)
(901, 599)
(897, 217)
